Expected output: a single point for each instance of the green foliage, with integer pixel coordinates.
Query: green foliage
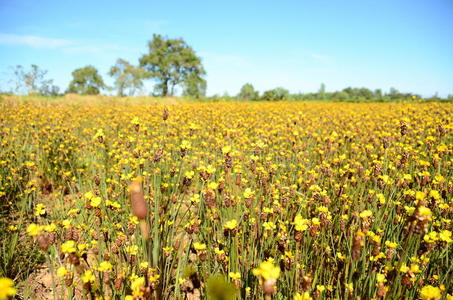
(193, 87)
(127, 77)
(351, 94)
(322, 91)
(86, 81)
(171, 62)
(18, 258)
(276, 94)
(248, 93)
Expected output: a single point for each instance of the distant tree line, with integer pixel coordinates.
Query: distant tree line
(248, 93)
(173, 66)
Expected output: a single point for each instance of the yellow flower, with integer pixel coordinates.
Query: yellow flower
(434, 194)
(231, 224)
(40, 210)
(430, 292)
(218, 251)
(133, 220)
(349, 286)
(300, 223)
(132, 249)
(62, 271)
(404, 268)
(135, 121)
(424, 211)
(415, 268)
(105, 266)
(6, 288)
(391, 244)
(189, 174)
(195, 198)
(445, 236)
(234, 275)
(199, 246)
(136, 286)
(269, 225)
(381, 198)
(226, 149)
(267, 270)
(248, 193)
(185, 145)
(420, 195)
(66, 223)
(315, 221)
(323, 209)
(82, 248)
(320, 288)
(68, 247)
(50, 228)
(99, 133)
(213, 185)
(365, 214)
(381, 278)
(303, 296)
(88, 277)
(95, 201)
(341, 256)
(88, 195)
(33, 229)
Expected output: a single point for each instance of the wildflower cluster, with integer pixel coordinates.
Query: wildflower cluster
(284, 200)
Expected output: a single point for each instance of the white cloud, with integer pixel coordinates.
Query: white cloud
(64, 45)
(32, 41)
(322, 58)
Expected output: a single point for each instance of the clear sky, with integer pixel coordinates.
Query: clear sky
(407, 44)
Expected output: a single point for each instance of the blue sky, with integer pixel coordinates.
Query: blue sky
(407, 44)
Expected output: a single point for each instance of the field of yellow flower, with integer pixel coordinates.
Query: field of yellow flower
(231, 200)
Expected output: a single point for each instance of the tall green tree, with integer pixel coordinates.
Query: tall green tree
(171, 63)
(128, 78)
(86, 81)
(248, 93)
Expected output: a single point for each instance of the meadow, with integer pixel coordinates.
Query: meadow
(227, 200)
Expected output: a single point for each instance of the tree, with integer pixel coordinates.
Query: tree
(378, 94)
(322, 91)
(86, 81)
(32, 78)
(193, 87)
(394, 93)
(248, 93)
(48, 89)
(127, 76)
(171, 62)
(34, 82)
(276, 94)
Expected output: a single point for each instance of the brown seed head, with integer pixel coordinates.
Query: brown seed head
(137, 200)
